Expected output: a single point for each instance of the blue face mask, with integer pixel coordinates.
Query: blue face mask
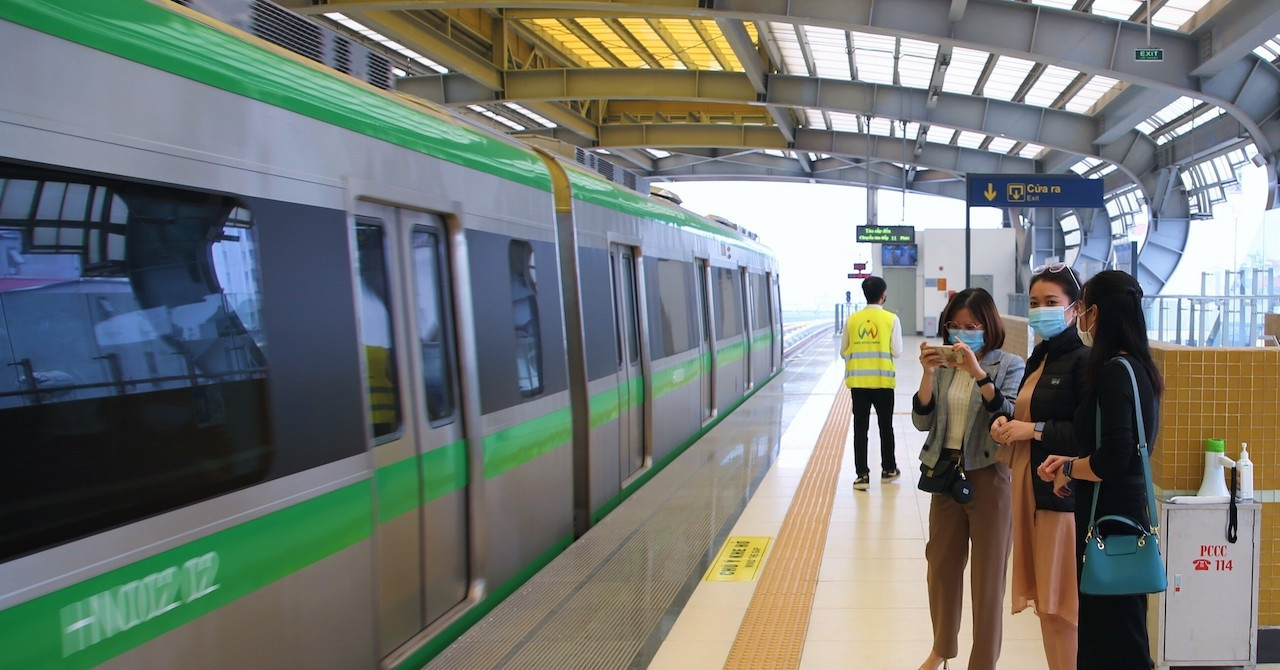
(971, 338)
(1048, 321)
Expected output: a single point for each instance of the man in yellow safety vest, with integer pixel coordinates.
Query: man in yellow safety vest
(872, 339)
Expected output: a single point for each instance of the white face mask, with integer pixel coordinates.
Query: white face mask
(1085, 336)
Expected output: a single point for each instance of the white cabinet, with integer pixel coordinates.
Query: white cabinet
(1209, 615)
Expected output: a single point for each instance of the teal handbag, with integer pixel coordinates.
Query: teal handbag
(1129, 564)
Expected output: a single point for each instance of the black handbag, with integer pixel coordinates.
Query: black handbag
(1123, 563)
(945, 477)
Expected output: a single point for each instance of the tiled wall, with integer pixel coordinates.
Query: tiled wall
(1233, 394)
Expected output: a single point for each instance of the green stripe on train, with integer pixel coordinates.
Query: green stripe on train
(153, 36)
(102, 617)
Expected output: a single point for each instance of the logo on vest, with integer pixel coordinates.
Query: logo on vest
(868, 329)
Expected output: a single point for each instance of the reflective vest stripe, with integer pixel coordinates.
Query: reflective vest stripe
(870, 373)
(869, 354)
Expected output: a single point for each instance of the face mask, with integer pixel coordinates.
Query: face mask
(1048, 321)
(971, 338)
(1085, 336)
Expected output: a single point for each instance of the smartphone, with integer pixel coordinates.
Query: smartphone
(949, 354)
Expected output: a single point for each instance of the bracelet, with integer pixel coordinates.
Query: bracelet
(986, 380)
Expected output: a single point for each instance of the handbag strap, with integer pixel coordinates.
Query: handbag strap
(1142, 449)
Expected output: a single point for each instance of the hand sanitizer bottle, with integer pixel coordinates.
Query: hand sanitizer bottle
(1244, 467)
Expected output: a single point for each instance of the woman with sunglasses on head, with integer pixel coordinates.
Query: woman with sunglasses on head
(1113, 629)
(1041, 425)
(955, 403)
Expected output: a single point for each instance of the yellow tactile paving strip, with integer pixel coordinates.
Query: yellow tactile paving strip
(773, 631)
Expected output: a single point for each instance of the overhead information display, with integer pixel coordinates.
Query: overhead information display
(1033, 190)
(886, 234)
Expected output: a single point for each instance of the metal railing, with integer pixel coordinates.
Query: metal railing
(1212, 321)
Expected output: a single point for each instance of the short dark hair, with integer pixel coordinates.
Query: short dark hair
(873, 289)
(1122, 324)
(983, 307)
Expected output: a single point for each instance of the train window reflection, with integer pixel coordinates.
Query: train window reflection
(524, 307)
(383, 390)
(728, 303)
(433, 324)
(133, 365)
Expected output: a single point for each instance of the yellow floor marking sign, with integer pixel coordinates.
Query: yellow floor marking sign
(739, 560)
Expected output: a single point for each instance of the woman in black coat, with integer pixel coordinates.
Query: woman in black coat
(1113, 629)
(1042, 424)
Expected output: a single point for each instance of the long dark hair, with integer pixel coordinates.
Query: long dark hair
(983, 307)
(1121, 324)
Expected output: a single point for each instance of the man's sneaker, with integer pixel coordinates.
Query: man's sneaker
(862, 483)
(889, 475)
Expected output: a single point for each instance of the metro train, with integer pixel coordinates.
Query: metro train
(300, 373)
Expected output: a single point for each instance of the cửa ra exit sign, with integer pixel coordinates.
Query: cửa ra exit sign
(1148, 54)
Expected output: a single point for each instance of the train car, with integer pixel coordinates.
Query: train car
(297, 372)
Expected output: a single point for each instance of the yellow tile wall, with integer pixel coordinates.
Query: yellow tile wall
(1233, 394)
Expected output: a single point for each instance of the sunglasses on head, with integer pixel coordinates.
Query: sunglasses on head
(1055, 268)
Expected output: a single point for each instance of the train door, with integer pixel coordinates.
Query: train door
(705, 340)
(748, 376)
(418, 442)
(775, 330)
(622, 260)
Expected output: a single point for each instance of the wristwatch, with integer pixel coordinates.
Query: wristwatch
(1039, 430)
(1066, 468)
(986, 380)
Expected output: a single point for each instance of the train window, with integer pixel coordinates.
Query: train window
(433, 324)
(728, 303)
(617, 332)
(383, 390)
(631, 303)
(674, 293)
(133, 364)
(760, 295)
(524, 306)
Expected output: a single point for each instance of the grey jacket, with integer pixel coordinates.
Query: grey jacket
(979, 449)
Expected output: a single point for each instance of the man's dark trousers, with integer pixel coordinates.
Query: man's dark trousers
(863, 401)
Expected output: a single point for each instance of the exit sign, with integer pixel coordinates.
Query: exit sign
(1148, 54)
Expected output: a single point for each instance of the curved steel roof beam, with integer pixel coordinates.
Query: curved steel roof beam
(1052, 128)
(1076, 40)
(685, 136)
(773, 168)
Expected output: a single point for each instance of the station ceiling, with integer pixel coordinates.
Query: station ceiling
(907, 94)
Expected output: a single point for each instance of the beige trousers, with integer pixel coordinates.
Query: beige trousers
(983, 528)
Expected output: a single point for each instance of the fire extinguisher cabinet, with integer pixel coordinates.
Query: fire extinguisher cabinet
(1209, 615)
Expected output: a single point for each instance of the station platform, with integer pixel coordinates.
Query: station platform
(842, 584)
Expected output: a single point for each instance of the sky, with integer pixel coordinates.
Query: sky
(811, 228)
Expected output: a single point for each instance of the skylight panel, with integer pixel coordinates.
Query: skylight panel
(657, 153)
(1090, 94)
(1085, 165)
(1060, 4)
(1270, 50)
(1006, 77)
(496, 117)
(874, 56)
(845, 123)
(915, 66)
(1001, 145)
(828, 48)
(784, 35)
(1052, 82)
(541, 120)
(361, 29)
(970, 140)
(1031, 150)
(774, 152)
(966, 66)
(1116, 9)
(605, 35)
(1171, 17)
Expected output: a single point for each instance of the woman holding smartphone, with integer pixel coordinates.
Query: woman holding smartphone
(955, 404)
(1042, 425)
